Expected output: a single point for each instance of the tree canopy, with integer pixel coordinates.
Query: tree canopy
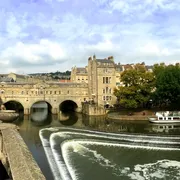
(138, 85)
(162, 86)
(167, 85)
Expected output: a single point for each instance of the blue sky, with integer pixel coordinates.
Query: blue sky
(54, 35)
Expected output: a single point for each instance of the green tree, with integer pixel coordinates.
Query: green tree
(168, 86)
(158, 68)
(137, 89)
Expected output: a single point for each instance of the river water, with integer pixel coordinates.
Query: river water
(75, 146)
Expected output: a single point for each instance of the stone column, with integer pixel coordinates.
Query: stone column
(27, 111)
(54, 111)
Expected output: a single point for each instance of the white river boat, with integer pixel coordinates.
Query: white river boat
(167, 117)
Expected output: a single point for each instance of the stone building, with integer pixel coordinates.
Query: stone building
(102, 80)
(102, 76)
(79, 74)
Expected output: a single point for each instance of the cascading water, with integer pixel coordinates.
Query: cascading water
(85, 154)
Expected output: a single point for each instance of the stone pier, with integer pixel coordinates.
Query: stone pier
(15, 156)
(93, 109)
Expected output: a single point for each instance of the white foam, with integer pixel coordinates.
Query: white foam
(161, 169)
(121, 137)
(103, 161)
(63, 160)
(49, 155)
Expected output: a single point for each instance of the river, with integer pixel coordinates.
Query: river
(104, 149)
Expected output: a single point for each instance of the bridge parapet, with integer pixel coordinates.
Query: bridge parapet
(16, 157)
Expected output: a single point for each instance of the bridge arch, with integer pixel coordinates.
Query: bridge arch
(14, 105)
(41, 104)
(68, 105)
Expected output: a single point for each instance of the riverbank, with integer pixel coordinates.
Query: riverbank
(141, 115)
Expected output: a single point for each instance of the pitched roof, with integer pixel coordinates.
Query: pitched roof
(104, 61)
(81, 70)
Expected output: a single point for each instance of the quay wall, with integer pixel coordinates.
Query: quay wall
(93, 109)
(15, 155)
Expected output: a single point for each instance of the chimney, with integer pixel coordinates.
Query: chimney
(94, 57)
(111, 58)
(90, 58)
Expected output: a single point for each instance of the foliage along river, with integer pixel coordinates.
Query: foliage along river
(74, 146)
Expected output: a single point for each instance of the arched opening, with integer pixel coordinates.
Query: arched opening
(14, 105)
(41, 105)
(40, 112)
(68, 106)
(68, 119)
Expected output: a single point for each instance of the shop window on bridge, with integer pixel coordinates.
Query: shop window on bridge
(50, 92)
(59, 92)
(54, 92)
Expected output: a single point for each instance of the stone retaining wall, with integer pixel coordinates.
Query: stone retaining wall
(16, 157)
(93, 109)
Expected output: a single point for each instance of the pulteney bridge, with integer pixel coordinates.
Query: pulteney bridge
(58, 96)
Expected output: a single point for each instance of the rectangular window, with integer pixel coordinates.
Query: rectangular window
(107, 98)
(109, 90)
(107, 80)
(103, 80)
(103, 91)
(54, 92)
(106, 89)
(104, 98)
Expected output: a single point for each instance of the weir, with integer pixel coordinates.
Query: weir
(65, 147)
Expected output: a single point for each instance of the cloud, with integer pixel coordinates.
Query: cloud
(24, 55)
(44, 35)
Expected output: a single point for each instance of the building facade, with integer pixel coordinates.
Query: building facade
(102, 77)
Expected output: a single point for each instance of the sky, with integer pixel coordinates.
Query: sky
(55, 35)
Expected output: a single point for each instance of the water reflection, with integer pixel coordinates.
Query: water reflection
(68, 119)
(39, 119)
(39, 114)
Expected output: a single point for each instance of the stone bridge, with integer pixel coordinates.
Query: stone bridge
(58, 96)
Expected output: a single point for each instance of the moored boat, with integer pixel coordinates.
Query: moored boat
(8, 115)
(167, 117)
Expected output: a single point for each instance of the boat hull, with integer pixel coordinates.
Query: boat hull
(8, 115)
(155, 120)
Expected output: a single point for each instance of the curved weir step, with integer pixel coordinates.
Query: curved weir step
(60, 143)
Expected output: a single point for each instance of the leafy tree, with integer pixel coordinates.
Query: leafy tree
(168, 85)
(158, 68)
(137, 89)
